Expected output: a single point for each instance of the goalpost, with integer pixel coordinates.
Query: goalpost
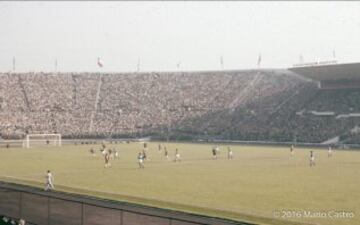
(42, 139)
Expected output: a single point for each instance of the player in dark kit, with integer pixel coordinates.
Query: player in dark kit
(166, 153)
(92, 152)
(144, 154)
(291, 151)
(107, 160)
(145, 151)
(214, 153)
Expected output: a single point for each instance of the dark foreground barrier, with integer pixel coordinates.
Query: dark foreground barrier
(58, 208)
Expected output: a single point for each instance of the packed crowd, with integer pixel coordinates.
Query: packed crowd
(245, 105)
(284, 116)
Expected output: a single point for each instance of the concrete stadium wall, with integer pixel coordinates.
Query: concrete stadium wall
(56, 208)
(18, 143)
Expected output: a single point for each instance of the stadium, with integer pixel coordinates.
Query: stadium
(258, 146)
(274, 108)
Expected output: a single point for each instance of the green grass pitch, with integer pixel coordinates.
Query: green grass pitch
(261, 184)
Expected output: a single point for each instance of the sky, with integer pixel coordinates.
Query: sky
(175, 35)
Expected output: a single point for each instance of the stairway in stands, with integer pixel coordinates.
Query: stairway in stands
(24, 93)
(96, 102)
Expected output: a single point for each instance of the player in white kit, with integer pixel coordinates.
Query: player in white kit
(329, 151)
(230, 153)
(312, 159)
(141, 160)
(177, 156)
(49, 181)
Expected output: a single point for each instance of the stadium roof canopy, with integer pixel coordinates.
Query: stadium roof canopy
(321, 72)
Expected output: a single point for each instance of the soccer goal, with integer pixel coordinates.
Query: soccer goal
(42, 139)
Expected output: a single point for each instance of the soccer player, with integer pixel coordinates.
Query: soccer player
(116, 153)
(141, 160)
(145, 146)
(214, 153)
(159, 148)
(230, 153)
(49, 181)
(291, 151)
(177, 156)
(103, 145)
(92, 151)
(145, 151)
(329, 152)
(107, 160)
(144, 156)
(217, 149)
(166, 153)
(312, 159)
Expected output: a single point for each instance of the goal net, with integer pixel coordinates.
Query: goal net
(42, 140)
